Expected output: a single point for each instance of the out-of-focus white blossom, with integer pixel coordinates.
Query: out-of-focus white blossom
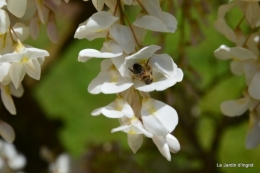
(245, 60)
(62, 164)
(6, 131)
(10, 160)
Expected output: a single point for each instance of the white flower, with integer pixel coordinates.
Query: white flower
(239, 56)
(167, 144)
(165, 72)
(109, 80)
(24, 61)
(244, 62)
(96, 26)
(158, 117)
(10, 157)
(134, 129)
(61, 165)
(116, 109)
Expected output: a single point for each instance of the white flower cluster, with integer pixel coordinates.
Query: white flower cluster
(10, 160)
(17, 59)
(245, 60)
(131, 71)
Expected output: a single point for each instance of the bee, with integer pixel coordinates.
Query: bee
(143, 72)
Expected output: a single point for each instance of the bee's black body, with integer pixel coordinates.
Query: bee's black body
(142, 72)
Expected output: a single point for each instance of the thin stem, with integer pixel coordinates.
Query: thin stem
(131, 28)
(121, 11)
(114, 13)
(128, 21)
(11, 35)
(247, 38)
(141, 5)
(239, 23)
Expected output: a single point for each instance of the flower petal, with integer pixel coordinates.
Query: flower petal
(173, 143)
(241, 53)
(7, 132)
(134, 141)
(7, 99)
(151, 23)
(17, 7)
(222, 27)
(98, 4)
(4, 73)
(162, 63)
(236, 67)
(16, 92)
(17, 73)
(254, 86)
(253, 137)
(4, 22)
(170, 22)
(235, 107)
(86, 54)
(124, 36)
(163, 147)
(250, 68)
(33, 69)
(96, 24)
(95, 85)
(223, 53)
(116, 87)
(34, 53)
(158, 118)
(124, 128)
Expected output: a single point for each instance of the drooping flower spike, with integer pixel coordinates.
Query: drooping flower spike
(131, 70)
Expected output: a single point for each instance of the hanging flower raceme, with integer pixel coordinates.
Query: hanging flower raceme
(131, 72)
(19, 20)
(245, 61)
